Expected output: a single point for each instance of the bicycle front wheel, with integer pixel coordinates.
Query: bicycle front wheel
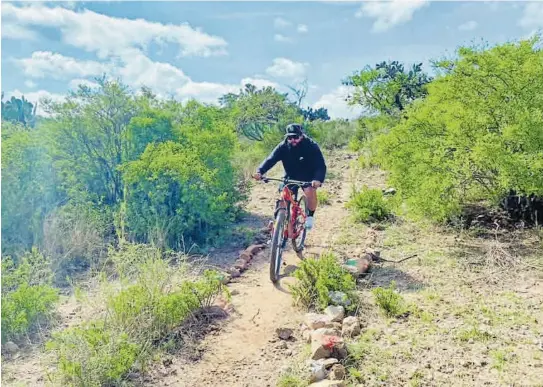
(276, 251)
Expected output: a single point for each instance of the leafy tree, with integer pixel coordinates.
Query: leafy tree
(387, 88)
(478, 133)
(257, 111)
(317, 114)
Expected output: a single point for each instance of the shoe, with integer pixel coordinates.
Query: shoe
(309, 223)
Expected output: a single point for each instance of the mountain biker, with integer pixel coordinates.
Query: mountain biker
(302, 160)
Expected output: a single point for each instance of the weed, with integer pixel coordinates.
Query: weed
(369, 205)
(323, 197)
(391, 303)
(318, 277)
(475, 334)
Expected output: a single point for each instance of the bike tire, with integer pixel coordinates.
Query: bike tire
(276, 251)
(298, 244)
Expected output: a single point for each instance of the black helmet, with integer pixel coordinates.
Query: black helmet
(294, 130)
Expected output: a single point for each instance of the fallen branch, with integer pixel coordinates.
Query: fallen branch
(378, 259)
(253, 318)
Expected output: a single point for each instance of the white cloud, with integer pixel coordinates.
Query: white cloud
(335, 103)
(74, 83)
(389, 13)
(286, 68)
(281, 23)
(281, 38)
(532, 17)
(259, 82)
(107, 35)
(51, 65)
(468, 26)
(30, 84)
(16, 32)
(302, 28)
(37, 97)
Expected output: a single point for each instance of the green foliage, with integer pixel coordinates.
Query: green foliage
(478, 134)
(387, 88)
(369, 204)
(317, 278)
(332, 134)
(29, 188)
(27, 296)
(257, 112)
(183, 190)
(154, 299)
(391, 303)
(323, 197)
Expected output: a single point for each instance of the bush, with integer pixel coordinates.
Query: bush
(477, 135)
(369, 205)
(332, 134)
(317, 278)
(154, 299)
(323, 196)
(391, 303)
(28, 299)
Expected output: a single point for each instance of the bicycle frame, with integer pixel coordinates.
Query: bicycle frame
(289, 201)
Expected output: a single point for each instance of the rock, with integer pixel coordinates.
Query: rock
(284, 333)
(241, 265)
(339, 298)
(245, 256)
(351, 327)
(282, 345)
(225, 278)
(326, 346)
(318, 334)
(336, 313)
(337, 372)
(254, 249)
(234, 272)
(316, 321)
(389, 191)
(317, 371)
(11, 348)
(329, 362)
(328, 383)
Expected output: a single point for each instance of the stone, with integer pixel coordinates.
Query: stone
(351, 327)
(316, 321)
(337, 372)
(241, 265)
(319, 351)
(284, 333)
(317, 371)
(328, 383)
(11, 348)
(254, 249)
(336, 313)
(234, 272)
(339, 298)
(306, 335)
(318, 334)
(325, 346)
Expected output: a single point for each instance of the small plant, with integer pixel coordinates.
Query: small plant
(390, 302)
(474, 334)
(28, 298)
(323, 197)
(369, 205)
(317, 278)
(154, 299)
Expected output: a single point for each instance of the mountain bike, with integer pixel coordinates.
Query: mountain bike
(289, 210)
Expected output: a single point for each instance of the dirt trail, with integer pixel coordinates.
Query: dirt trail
(245, 352)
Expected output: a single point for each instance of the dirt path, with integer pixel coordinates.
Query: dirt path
(245, 351)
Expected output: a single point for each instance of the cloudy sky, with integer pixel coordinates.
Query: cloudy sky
(203, 49)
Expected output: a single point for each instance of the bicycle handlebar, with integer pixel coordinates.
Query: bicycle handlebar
(285, 180)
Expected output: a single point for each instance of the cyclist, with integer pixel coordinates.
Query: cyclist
(302, 160)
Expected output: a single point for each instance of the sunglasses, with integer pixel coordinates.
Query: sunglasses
(296, 137)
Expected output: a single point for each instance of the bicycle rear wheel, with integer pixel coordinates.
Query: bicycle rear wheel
(299, 226)
(276, 251)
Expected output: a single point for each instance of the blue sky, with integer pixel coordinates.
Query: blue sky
(205, 49)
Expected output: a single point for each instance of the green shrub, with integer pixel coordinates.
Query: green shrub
(317, 277)
(369, 205)
(28, 299)
(154, 298)
(391, 303)
(332, 134)
(323, 196)
(475, 136)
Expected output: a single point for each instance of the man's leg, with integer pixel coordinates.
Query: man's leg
(311, 195)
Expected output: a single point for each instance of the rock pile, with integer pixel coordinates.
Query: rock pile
(326, 333)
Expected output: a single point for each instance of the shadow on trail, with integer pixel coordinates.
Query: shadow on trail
(382, 276)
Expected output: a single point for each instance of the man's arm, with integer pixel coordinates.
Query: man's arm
(320, 164)
(271, 160)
